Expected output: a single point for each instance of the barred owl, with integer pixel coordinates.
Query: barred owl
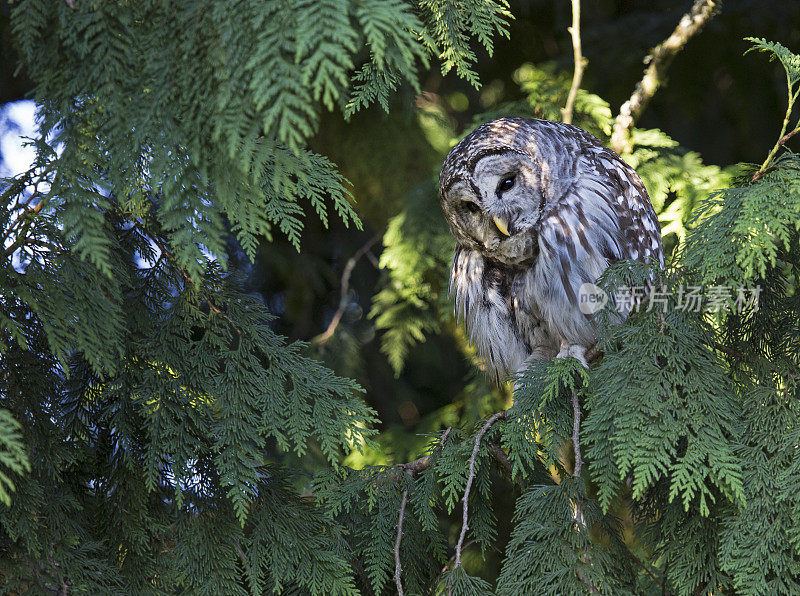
(538, 208)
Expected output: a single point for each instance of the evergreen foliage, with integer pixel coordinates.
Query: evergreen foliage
(159, 434)
(141, 383)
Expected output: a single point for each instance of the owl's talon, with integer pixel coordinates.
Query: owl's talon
(574, 351)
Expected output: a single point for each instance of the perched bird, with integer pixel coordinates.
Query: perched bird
(538, 209)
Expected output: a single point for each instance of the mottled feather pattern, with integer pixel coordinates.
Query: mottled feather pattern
(571, 206)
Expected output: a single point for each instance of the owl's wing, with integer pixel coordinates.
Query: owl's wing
(604, 216)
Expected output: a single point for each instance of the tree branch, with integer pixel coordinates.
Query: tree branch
(580, 62)
(580, 520)
(501, 458)
(25, 227)
(739, 356)
(243, 558)
(658, 62)
(785, 136)
(398, 569)
(470, 477)
(423, 463)
(343, 295)
(639, 562)
(411, 468)
(576, 429)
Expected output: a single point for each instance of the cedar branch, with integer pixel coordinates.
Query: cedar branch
(576, 429)
(658, 62)
(470, 477)
(242, 558)
(501, 458)
(735, 354)
(784, 136)
(165, 251)
(650, 573)
(580, 520)
(25, 227)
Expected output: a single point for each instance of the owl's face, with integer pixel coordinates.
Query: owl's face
(495, 203)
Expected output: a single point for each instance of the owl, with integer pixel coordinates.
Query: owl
(538, 209)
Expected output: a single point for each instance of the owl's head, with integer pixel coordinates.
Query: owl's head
(496, 183)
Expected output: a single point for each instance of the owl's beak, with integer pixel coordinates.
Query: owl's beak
(502, 225)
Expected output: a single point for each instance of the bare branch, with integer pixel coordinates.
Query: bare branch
(470, 477)
(398, 569)
(580, 62)
(658, 62)
(580, 520)
(784, 138)
(24, 217)
(576, 429)
(243, 558)
(650, 573)
(343, 295)
(411, 468)
(735, 354)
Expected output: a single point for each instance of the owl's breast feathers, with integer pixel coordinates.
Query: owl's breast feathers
(505, 327)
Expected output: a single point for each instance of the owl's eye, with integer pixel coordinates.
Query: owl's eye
(506, 183)
(471, 207)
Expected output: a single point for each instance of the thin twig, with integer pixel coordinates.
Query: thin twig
(784, 138)
(411, 469)
(345, 288)
(576, 429)
(650, 573)
(576, 473)
(24, 231)
(658, 62)
(242, 558)
(398, 569)
(580, 62)
(423, 463)
(470, 477)
(467, 544)
(739, 356)
(788, 136)
(501, 458)
(25, 211)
